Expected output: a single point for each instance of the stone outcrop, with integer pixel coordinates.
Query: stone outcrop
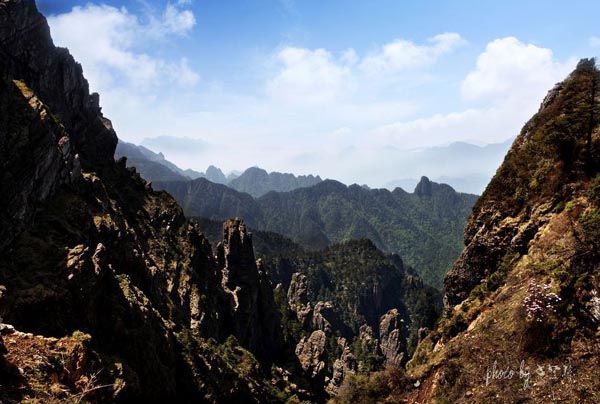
(254, 318)
(50, 123)
(368, 341)
(323, 316)
(36, 153)
(298, 299)
(344, 366)
(392, 335)
(298, 291)
(312, 355)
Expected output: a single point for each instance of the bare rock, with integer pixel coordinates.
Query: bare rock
(323, 316)
(298, 290)
(343, 367)
(368, 341)
(254, 318)
(392, 338)
(311, 354)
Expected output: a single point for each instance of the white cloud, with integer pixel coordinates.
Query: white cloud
(508, 83)
(402, 54)
(177, 21)
(308, 76)
(341, 114)
(104, 40)
(349, 57)
(510, 68)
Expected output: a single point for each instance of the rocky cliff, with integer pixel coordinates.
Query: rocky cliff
(115, 296)
(521, 321)
(50, 122)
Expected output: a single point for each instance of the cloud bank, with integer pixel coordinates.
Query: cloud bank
(344, 114)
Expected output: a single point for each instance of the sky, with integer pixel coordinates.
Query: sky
(342, 89)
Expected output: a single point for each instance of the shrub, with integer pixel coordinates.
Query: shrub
(590, 222)
(540, 303)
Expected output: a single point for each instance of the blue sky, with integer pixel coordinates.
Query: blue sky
(337, 88)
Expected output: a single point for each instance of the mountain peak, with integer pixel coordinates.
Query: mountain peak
(424, 187)
(215, 175)
(257, 181)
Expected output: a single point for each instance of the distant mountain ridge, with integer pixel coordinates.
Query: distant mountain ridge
(424, 227)
(152, 166)
(258, 182)
(465, 166)
(255, 181)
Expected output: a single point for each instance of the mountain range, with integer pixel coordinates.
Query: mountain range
(255, 181)
(110, 294)
(424, 227)
(466, 167)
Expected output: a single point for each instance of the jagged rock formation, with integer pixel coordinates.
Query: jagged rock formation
(264, 242)
(367, 307)
(257, 182)
(344, 367)
(520, 324)
(255, 320)
(87, 248)
(311, 353)
(56, 79)
(37, 159)
(393, 337)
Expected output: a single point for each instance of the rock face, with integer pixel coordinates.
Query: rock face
(254, 317)
(298, 299)
(40, 152)
(86, 244)
(517, 204)
(60, 126)
(392, 337)
(51, 125)
(28, 54)
(343, 367)
(311, 354)
(298, 290)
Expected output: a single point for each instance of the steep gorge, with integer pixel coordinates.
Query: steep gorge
(522, 320)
